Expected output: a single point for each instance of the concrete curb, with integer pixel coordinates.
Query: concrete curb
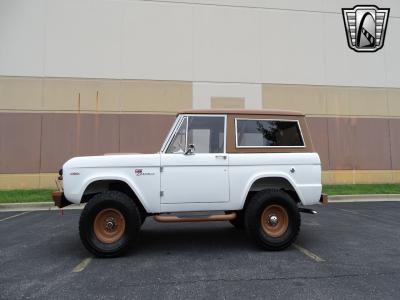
(364, 198)
(33, 206)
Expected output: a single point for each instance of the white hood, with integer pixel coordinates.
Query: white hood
(114, 160)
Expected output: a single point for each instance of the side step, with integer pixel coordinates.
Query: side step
(171, 218)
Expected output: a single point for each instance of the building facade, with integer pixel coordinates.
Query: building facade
(88, 77)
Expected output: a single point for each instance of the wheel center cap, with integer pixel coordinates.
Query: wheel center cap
(273, 220)
(110, 224)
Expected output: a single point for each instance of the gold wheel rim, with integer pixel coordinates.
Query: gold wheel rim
(274, 220)
(109, 225)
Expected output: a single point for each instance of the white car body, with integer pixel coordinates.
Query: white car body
(175, 182)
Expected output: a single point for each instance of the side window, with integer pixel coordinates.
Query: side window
(178, 144)
(268, 133)
(207, 134)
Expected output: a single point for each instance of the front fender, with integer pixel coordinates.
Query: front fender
(75, 196)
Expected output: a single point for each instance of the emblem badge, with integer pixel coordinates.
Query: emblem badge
(365, 27)
(139, 172)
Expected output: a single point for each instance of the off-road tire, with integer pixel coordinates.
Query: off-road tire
(238, 222)
(262, 231)
(119, 207)
(143, 216)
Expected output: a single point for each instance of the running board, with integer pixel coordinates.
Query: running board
(307, 210)
(171, 218)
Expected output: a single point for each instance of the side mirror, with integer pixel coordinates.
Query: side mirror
(190, 150)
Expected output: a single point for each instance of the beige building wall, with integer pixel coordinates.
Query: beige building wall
(70, 117)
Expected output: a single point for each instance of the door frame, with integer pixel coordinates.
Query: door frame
(173, 132)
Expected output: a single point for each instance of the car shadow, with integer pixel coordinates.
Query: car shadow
(208, 239)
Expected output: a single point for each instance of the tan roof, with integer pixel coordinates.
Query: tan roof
(242, 112)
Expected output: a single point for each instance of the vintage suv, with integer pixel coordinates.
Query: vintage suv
(255, 169)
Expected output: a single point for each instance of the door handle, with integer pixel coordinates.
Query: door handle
(221, 156)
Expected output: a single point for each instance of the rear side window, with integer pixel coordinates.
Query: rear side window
(268, 133)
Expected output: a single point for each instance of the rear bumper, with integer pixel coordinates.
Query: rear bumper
(323, 199)
(59, 199)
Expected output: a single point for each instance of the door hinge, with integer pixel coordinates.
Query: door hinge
(161, 193)
(161, 169)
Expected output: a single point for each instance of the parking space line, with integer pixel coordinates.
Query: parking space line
(310, 223)
(14, 216)
(309, 253)
(82, 265)
(355, 212)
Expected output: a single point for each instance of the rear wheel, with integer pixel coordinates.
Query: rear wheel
(109, 223)
(143, 216)
(272, 219)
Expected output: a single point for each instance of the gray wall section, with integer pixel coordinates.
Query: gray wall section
(356, 143)
(20, 137)
(65, 135)
(394, 126)
(319, 133)
(42, 142)
(143, 133)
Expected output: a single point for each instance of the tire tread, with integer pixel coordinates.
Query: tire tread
(107, 199)
(252, 213)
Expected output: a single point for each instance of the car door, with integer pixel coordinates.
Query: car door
(200, 174)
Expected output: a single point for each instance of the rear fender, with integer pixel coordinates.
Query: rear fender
(258, 176)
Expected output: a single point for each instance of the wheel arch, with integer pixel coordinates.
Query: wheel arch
(98, 185)
(271, 181)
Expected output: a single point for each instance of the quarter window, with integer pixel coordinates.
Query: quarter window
(178, 144)
(268, 133)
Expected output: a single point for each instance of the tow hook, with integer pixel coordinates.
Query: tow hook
(307, 210)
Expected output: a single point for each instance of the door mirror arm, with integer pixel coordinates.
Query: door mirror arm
(190, 150)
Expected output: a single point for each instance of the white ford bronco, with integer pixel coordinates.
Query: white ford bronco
(255, 169)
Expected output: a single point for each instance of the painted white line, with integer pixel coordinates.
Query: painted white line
(82, 265)
(349, 211)
(309, 253)
(310, 223)
(14, 216)
(355, 213)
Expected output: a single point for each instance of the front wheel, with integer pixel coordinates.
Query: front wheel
(109, 223)
(272, 219)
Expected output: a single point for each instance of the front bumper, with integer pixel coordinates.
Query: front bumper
(323, 199)
(58, 196)
(60, 200)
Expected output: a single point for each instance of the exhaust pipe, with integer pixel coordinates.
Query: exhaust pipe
(307, 210)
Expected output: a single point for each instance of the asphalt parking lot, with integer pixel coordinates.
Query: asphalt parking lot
(348, 250)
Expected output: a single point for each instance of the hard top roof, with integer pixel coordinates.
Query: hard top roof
(242, 112)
